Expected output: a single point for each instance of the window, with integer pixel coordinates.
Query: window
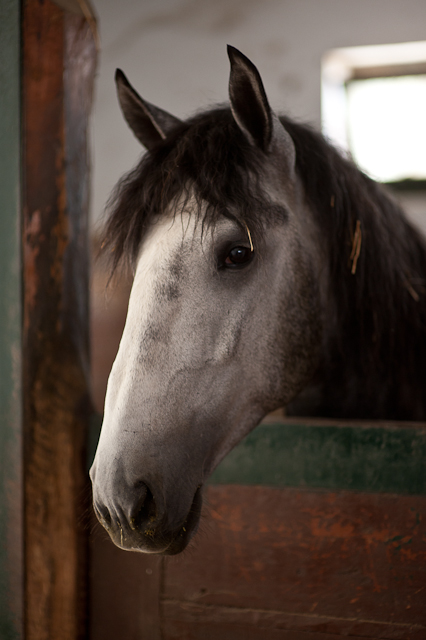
(373, 105)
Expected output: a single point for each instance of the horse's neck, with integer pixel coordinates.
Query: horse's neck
(373, 360)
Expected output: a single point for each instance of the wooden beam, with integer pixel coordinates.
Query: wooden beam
(58, 69)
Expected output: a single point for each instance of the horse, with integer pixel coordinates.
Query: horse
(269, 271)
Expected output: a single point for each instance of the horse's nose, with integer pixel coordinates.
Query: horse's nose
(131, 515)
(135, 520)
(103, 514)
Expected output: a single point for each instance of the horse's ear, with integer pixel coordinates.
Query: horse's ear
(149, 124)
(250, 106)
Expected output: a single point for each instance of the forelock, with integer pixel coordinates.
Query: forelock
(206, 160)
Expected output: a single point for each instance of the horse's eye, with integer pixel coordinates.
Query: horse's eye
(238, 256)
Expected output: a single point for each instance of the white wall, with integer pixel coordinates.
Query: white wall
(174, 53)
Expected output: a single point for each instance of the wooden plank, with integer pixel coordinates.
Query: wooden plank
(371, 457)
(314, 562)
(188, 621)
(58, 67)
(125, 591)
(11, 486)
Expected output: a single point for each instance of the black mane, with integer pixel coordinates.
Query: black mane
(374, 362)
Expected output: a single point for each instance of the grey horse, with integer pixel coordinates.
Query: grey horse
(268, 271)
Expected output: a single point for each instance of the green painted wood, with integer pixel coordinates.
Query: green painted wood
(373, 458)
(378, 457)
(11, 546)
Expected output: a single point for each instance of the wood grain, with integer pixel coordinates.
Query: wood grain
(11, 464)
(305, 562)
(125, 588)
(58, 67)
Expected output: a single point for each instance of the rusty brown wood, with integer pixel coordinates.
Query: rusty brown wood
(58, 67)
(196, 622)
(293, 564)
(125, 591)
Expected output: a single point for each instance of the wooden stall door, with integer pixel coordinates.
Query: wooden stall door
(308, 532)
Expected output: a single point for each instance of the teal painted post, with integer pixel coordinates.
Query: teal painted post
(11, 486)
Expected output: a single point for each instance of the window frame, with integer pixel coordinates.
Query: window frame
(343, 65)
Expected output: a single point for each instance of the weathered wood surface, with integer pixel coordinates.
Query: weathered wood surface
(125, 591)
(274, 561)
(375, 456)
(290, 563)
(279, 563)
(58, 69)
(11, 489)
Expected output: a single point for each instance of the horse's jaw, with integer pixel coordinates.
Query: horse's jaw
(151, 501)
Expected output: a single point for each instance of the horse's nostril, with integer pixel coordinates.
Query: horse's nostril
(145, 509)
(103, 515)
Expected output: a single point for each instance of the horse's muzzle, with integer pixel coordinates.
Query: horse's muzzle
(141, 525)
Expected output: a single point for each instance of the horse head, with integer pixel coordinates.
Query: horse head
(224, 321)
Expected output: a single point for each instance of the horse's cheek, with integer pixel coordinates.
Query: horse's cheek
(299, 335)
